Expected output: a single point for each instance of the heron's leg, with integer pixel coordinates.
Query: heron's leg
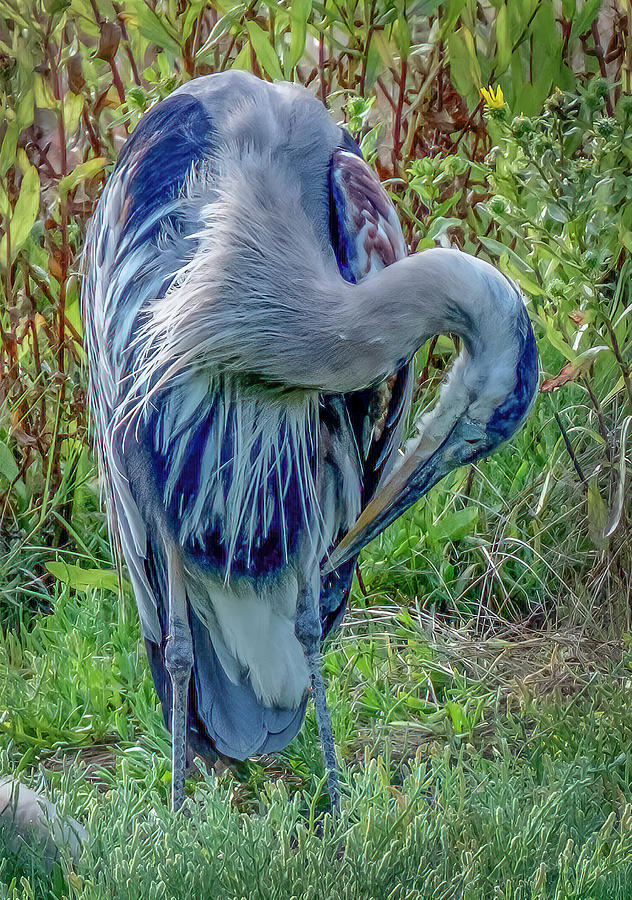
(308, 631)
(179, 661)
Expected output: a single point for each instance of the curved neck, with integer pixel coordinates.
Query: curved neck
(382, 321)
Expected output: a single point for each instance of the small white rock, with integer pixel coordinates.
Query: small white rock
(25, 812)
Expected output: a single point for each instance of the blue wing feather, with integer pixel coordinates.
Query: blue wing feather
(170, 140)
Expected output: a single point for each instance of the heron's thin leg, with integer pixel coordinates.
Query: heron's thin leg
(179, 661)
(308, 632)
(323, 720)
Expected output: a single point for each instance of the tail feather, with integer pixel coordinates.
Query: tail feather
(223, 717)
(238, 725)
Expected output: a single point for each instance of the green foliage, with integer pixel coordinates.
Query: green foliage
(549, 204)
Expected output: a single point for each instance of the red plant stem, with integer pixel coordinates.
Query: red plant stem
(196, 43)
(128, 48)
(363, 589)
(367, 45)
(569, 448)
(95, 143)
(254, 65)
(397, 143)
(63, 218)
(380, 81)
(38, 371)
(423, 377)
(116, 81)
(64, 260)
(97, 15)
(226, 56)
(321, 60)
(594, 30)
(602, 428)
(454, 144)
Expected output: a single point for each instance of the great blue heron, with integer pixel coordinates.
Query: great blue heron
(247, 292)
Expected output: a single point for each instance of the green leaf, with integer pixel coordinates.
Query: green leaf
(584, 19)
(221, 27)
(382, 46)
(457, 716)
(24, 213)
(154, 28)
(556, 340)
(264, 51)
(597, 515)
(299, 15)
(368, 144)
(401, 33)
(58, 6)
(5, 206)
(619, 495)
(84, 579)
(73, 106)
(9, 147)
(26, 109)
(242, 60)
(500, 250)
(454, 526)
(503, 40)
(441, 224)
(528, 284)
(454, 10)
(555, 211)
(194, 10)
(373, 64)
(617, 389)
(8, 466)
(426, 7)
(465, 70)
(83, 172)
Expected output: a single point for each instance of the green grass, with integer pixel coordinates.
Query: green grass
(465, 773)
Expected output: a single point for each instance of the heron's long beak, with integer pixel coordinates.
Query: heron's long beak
(421, 469)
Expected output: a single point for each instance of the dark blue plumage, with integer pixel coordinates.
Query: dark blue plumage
(510, 414)
(270, 551)
(170, 140)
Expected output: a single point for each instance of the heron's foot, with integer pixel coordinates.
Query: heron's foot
(178, 662)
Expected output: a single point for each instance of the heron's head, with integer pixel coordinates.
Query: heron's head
(484, 400)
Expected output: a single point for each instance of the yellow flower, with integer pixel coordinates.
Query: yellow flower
(494, 99)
